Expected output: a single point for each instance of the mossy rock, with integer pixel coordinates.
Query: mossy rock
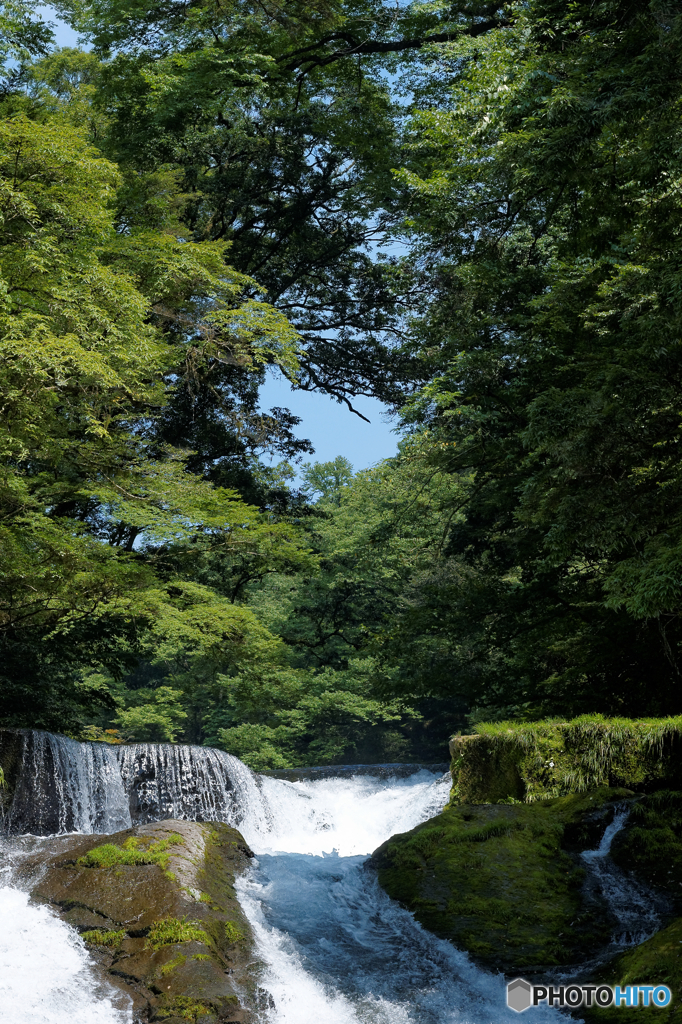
(533, 761)
(157, 906)
(658, 961)
(504, 881)
(650, 845)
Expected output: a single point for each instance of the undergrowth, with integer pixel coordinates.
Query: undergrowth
(541, 760)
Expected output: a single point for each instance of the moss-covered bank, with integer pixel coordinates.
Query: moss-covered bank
(541, 760)
(157, 906)
(498, 872)
(504, 881)
(657, 961)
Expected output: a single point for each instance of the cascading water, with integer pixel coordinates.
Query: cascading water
(164, 780)
(337, 949)
(634, 907)
(334, 947)
(66, 786)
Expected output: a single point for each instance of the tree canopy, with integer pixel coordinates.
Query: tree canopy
(470, 211)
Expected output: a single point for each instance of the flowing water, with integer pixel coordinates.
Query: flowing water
(46, 976)
(334, 948)
(337, 950)
(636, 909)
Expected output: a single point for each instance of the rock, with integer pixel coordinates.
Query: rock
(539, 760)
(657, 961)
(504, 881)
(156, 903)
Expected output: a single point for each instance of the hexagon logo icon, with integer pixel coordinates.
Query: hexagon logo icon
(519, 995)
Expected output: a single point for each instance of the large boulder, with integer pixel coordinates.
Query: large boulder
(157, 906)
(505, 881)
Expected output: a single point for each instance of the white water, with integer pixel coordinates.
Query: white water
(337, 950)
(632, 905)
(46, 976)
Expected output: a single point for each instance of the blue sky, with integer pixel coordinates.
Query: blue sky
(331, 427)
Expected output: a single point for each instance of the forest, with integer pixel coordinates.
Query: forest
(470, 211)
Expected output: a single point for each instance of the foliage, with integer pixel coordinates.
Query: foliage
(544, 179)
(172, 930)
(109, 855)
(87, 359)
(157, 722)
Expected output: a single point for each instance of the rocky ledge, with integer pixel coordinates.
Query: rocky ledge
(156, 905)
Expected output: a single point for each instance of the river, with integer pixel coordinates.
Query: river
(334, 948)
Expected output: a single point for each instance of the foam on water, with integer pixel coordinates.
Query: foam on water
(46, 977)
(336, 948)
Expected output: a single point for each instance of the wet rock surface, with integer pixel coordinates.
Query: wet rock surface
(157, 907)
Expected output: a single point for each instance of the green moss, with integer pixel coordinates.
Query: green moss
(101, 938)
(658, 962)
(172, 965)
(232, 933)
(542, 760)
(133, 851)
(183, 1007)
(504, 881)
(172, 930)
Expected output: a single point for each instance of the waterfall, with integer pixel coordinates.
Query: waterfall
(164, 780)
(66, 786)
(635, 908)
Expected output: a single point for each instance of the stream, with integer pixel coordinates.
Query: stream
(334, 948)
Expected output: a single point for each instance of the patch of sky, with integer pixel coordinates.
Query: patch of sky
(332, 428)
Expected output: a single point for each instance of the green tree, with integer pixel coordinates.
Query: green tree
(94, 325)
(545, 215)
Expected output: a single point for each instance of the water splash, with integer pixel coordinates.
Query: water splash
(46, 975)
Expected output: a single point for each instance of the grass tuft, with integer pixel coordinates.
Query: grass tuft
(232, 933)
(133, 851)
(172, 930)
(101, 938)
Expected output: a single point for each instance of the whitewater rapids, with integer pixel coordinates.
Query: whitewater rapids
(333, 948)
